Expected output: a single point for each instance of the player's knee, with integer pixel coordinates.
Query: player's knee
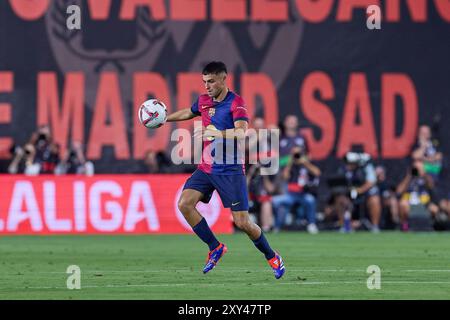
(185, 206)
(243, 223)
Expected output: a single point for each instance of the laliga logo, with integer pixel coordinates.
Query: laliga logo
(209, 210)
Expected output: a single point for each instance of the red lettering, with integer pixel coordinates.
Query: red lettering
(188, 85)
(6, 85)
(72, 106)
(268, 10)
(29, 9)
(188, 10)
(145, 84)
(417, 9)
(345, 8)
(313, 10)
(156, 8)
(229, 10)
(443, 7)
(108, 106)
(357, 103)
(259, 84)
(393, 85)
(318, 113)
(230, 81)
(99, 9)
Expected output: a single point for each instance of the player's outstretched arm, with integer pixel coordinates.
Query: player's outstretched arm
(238, 132)
(181, 115)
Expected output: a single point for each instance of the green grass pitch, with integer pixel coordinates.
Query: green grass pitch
(323, 266)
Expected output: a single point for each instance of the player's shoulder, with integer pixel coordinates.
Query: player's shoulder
(238, 101)
(204, 98)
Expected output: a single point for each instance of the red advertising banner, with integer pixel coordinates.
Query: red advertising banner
(102, 204)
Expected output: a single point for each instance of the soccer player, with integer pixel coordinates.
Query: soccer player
(224, 118)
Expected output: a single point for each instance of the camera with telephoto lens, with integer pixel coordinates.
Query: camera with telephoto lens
(359, 158)
(414, 172)
(42, 137)
(299, 152)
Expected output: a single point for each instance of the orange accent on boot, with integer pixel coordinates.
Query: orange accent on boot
(274, 262)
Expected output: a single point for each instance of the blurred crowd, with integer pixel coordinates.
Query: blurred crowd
(42, 155)
(358, 195)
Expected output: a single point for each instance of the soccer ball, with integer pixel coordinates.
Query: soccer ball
(152, 113)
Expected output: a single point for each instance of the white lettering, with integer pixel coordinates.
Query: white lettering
(23, 193)
(140, 191)
(112, 207)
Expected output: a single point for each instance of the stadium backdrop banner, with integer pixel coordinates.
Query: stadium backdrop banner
(348, 84)
(107, 204)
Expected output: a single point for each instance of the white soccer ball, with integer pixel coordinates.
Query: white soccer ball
(152, 113)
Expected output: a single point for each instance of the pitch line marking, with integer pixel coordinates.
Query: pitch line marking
(240, 284)
(227, 270)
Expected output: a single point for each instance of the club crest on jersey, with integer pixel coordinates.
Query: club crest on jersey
(212, 112)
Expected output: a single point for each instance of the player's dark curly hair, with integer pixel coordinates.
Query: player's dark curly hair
(214, 67)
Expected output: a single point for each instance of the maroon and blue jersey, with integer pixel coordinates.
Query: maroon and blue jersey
(222, 116)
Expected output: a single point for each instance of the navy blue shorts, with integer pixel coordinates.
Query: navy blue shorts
(232, 189)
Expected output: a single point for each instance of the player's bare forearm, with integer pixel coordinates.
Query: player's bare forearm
(181, 115)
(238, 132)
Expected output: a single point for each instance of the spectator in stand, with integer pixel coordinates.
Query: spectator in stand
(416, 188)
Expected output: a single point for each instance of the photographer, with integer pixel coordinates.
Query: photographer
(261, 188)
(427, 150)
(47, 153)
(389, 200)
(23, 161)
(416, 188)
(290, 138)
(75, 162)
(362, 192)
(303, 179)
